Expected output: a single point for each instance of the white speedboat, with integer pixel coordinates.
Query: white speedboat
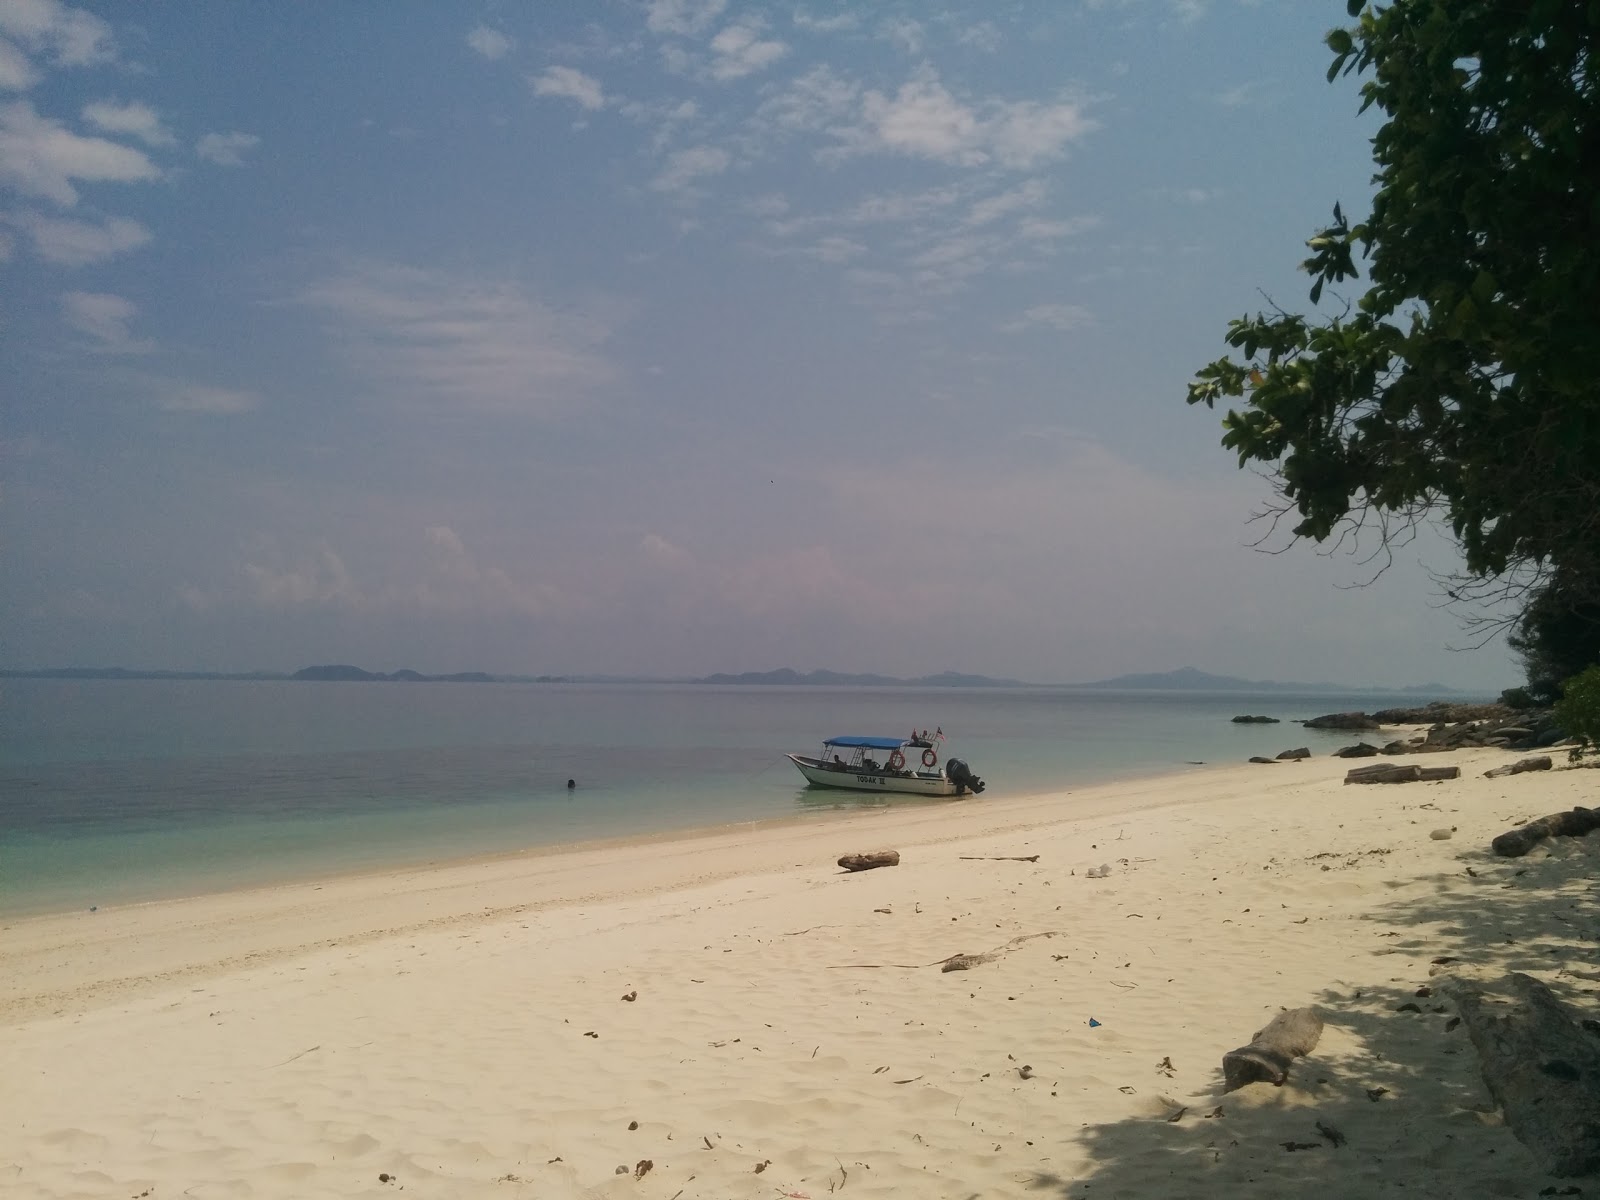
(907, 765)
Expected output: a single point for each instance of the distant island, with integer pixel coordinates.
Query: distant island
(1188, 679)
(841, 679)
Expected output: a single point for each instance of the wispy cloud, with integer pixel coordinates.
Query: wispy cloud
(923, 119)
(838, 23)
(207, 401)
(73, 243)
(39, 156)
(571, 84)
(687, 17)
(685, 167)
(740, 50)
(427, 339)
(16, 72)
(226, 149)
(134, 119)
(490, 43)
(1063, 317)
(104, 318)
(68, 37)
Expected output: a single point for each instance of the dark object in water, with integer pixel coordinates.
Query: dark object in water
(571, 783)
(958, 773)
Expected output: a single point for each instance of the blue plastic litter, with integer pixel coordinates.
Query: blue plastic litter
(1093, 1024)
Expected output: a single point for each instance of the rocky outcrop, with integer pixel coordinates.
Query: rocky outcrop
(1442, 712)
(1359, 750)
(1344, 720)
(1255, 720)
(1294, 755)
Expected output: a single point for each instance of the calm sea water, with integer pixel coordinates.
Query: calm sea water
(128, 790)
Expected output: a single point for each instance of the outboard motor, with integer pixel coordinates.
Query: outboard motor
(958, 773)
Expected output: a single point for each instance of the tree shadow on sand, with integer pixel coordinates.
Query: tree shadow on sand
(1391, 1102)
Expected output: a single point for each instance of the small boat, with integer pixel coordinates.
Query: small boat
(909, 765)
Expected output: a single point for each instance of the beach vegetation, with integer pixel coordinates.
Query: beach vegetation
(1451, 365)
(1578, 711)
(1557, 636)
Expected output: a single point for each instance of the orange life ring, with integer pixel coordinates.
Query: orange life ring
(896, 761)
(929, 758)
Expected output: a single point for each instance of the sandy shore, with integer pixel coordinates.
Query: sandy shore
(728, 1015)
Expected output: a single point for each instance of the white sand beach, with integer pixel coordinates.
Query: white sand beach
(730, 1015)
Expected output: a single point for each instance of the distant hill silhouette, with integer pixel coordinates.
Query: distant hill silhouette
(1189, 679)
(841, 679)
(344, 673)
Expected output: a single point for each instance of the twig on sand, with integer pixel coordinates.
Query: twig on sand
(956, 962)
(291, 1058)
(999, 858)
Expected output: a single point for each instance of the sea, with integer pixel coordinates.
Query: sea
(127, 791)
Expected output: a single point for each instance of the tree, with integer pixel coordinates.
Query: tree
(1465, 379)
(1557, 636)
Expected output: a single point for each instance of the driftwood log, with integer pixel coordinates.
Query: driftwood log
(1577, 823)
(1540, 762)
(1399, 773)
(865, 862)
(1288, 1036)
(1542, 1069)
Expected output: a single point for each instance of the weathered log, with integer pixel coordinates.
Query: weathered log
(865, 862)
(1384, 773)
(1288, 1036)
(1431, 773)
(1579, 822)
(1542, 1069)
(1540, 762)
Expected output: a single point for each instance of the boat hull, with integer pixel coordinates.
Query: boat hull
(920, 783)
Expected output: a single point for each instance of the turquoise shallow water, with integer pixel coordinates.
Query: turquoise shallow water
(129, 790)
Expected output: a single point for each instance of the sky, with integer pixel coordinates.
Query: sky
(668, 337)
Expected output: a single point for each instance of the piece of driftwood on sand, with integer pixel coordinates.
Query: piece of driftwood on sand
(865, 862)
(1399, 773)
(1577, 822)
(1541, 1067)
(1288, 1036)
(1539, 762)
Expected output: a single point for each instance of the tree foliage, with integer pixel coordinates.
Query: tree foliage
(1558, 636)
(1465, 378)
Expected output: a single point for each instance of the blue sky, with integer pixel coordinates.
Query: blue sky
(666, 337)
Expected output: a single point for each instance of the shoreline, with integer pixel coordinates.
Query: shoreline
(733, 1010)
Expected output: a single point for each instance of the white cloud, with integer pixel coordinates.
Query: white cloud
(1188, 11)
(992, 208)
(984, 36)
(490, 43)
(739, 51)
(570, 83)
(903, 32)
(924, 120)
(839, 23)
(104, 317)
(210, 401)
(78, 243)
(41, 157)
(836, 249)
(812, 102)
(1237, 96)
(1037, 229)
(16, 72)
(688, 17)
(1064, 317)
(226, 149)
(70, 37)
(133, 119)
(425, 338)
(685, 166)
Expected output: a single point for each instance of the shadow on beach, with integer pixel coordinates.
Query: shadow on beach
(1401, 1088)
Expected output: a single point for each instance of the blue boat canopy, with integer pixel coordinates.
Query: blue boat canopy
(870, 743)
